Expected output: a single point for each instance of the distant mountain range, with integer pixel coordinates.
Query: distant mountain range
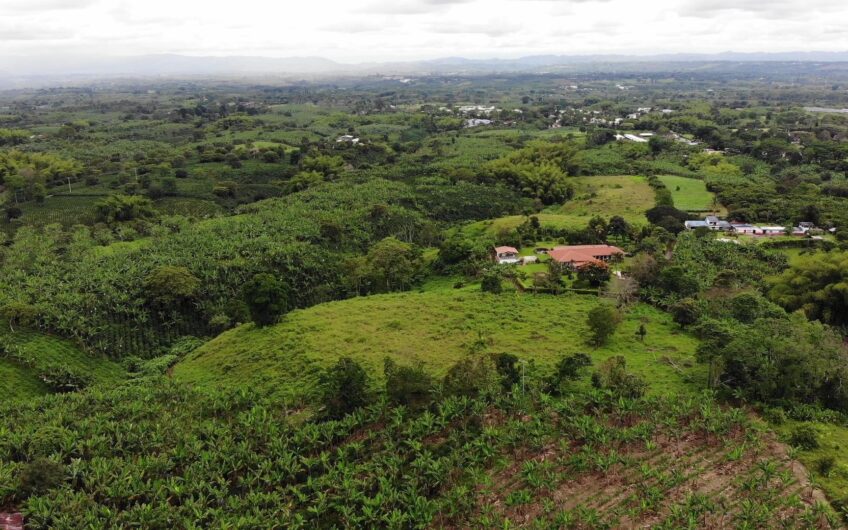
(14, 70)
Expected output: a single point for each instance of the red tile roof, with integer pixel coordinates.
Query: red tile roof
(11, 521)
(579, 254)
(506, 250)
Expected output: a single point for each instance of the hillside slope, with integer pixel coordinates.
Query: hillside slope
(437, 328)
(27, 358)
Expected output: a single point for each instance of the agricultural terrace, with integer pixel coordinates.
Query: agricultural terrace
(437, 327)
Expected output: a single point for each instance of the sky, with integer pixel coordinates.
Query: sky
(355, 31)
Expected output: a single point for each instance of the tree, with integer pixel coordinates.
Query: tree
(594, 273)
(344, 388)
(602, 320)
(816, 285)
(394, 265)
(618, 227)
(685, 312)
(679, 281)
(121, 208)
(267, 298)
(171, 285)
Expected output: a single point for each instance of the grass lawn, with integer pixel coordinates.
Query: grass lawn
(437, 327)
(689, 194)
(627, 196)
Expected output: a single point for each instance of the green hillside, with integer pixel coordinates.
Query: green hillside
(627, 196)
(437, 328)
(27, 358)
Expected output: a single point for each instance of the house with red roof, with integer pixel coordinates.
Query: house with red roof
(506, 255)
(575, 256)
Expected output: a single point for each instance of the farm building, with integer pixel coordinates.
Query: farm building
(506, 255)
(578, 255)
(744, 228)
(711, 221)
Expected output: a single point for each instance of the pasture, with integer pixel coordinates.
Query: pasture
(606, 196)
(438, 328)
(690, 194)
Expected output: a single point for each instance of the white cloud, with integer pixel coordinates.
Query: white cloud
(377, 30)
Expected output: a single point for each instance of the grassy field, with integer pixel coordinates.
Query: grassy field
(689, 194)
(627, 196)
(437, 327)
(19, 382)
(25, 354)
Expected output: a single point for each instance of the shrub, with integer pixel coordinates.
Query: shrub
(62, 379)
(409, 386)
(39, 476)
(491, 283)
(475, 375)
(507, 366)
(567, 369)
(612, 375)
(685, 312)
(825, 465)
(13, 212)
(602, 321)
(805, 437)
(775, 416)
(344, 388)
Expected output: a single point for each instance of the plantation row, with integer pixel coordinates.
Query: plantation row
(154, 454)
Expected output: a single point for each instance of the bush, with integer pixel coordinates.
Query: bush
(409, 386)
(507, 366)
(474, 376)
(491, 284)
(685, 312)
(775, 416)
(805, 437)
(602, 321)
(62, 379)
(567, 369)
(344, 388)
(39, 476)
(612, 375)
(825, 465)
(13, 212)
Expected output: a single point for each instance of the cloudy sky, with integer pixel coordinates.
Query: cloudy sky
(380, 30)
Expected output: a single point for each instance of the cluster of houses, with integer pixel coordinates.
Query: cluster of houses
(713, 222)
(572, 256)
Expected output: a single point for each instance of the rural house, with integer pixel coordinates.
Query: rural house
(506, 255)
(575, 256)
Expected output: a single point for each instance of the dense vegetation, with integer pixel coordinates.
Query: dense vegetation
(229, 305)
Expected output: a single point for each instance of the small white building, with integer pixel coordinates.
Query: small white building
(506, 255)
(476, 122)
(347, 138)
